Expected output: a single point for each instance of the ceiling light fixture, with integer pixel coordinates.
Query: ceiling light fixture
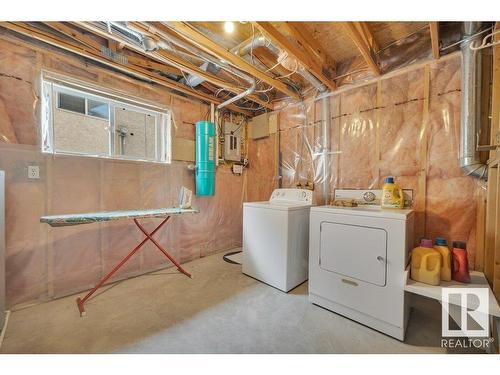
(228, 27)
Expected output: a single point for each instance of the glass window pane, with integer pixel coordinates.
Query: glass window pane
(98, 109)
(71, 103)
(81, 134)
(135, 134)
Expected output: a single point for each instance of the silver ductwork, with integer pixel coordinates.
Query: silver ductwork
(262, 41)
(470, 105)
(213, 63)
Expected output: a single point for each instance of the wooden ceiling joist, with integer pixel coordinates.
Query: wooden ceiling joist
(137, 59)
(308, 61)
(192, 35)
(434, 28)
(171, 59)
(364, 41)
(306, 40)
(92, 54)
(75, 34)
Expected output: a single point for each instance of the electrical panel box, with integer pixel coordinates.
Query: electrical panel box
(263, 125)
(232, 141)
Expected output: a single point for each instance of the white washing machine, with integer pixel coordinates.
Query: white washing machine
(357, 261)
(276, 238)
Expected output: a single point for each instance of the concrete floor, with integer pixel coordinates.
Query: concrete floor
(220, 310)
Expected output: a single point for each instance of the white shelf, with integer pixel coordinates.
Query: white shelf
(477, 281)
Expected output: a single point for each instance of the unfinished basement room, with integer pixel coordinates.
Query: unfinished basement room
(250, 183)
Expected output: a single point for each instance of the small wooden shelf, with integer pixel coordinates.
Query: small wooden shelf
(477, 281)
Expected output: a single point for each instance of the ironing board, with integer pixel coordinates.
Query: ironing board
(135, 215)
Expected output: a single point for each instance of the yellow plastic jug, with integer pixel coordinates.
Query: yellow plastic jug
(442, 247)
(392, 194)
(426, 263)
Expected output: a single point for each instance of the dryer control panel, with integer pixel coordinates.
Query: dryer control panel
(292, 195)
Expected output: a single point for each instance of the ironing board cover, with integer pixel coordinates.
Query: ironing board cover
(93, 217)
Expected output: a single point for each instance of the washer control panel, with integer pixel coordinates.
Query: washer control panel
(292, 195)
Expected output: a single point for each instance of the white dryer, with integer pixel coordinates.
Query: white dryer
(276, 238)
(357, 261)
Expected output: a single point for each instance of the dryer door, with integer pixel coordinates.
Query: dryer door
(358, 252)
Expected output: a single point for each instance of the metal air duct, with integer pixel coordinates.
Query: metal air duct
(470, 105)
(262, 41)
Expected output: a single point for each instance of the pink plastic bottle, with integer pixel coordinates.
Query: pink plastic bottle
(460, 264)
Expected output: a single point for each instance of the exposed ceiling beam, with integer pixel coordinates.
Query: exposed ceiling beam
(172, 59)
(367, 34)
(364, 41)
(75, 34)
(194, 36)
(92, 54)
(140, 60)
(434, 28)
(308, 61)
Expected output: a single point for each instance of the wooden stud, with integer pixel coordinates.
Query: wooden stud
(185, 31)
(422, 181)
(486, 79)
(357, 33)
(308, 61)
(377, 130)
(492, 228)
(434, 28)
(496, 258)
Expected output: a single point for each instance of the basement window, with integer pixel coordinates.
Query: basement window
(81, 119)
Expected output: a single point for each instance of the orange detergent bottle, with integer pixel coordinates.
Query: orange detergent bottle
(460, 271)
(426, 263)
(442, 247)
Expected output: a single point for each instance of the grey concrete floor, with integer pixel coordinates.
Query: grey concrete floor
(220, 310)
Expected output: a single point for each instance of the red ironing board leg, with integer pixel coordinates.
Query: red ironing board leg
(149, 237)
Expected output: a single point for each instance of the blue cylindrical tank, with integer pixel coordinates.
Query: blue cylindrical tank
(205, 158)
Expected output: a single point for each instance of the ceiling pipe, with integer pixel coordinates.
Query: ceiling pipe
(470, 119)
(207, 57)
(262, 41)
(247, 92)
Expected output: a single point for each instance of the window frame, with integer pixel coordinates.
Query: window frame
(52, 84)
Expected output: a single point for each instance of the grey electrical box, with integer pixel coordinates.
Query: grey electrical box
(232, 141)
(183, 149)
(263, 125)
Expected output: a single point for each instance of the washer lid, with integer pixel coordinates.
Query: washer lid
(370, 211)
(281, 206)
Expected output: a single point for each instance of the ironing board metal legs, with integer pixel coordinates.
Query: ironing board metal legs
(149, 237)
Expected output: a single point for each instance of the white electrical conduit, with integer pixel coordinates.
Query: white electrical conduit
(247, 92)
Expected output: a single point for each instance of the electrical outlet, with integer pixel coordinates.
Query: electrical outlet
(33, 172)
